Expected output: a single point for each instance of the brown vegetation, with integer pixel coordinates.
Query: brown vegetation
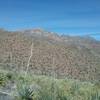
(73, 57)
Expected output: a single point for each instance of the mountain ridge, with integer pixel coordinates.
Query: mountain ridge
(73, 57)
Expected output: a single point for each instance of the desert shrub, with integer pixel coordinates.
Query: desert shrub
(48, 91)
(34, 87)
(10, 76)
(3, 79)
(97, 85)
(95, 95)
(27, 92)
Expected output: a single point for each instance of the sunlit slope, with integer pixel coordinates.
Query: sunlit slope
(66, 56)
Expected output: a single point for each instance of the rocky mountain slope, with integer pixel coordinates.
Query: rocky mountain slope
(61, 56)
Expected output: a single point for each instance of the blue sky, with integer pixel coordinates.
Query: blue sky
(75, 17)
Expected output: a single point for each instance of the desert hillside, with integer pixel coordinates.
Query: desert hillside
(62, 56)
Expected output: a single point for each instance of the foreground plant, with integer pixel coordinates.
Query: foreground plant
(26, 91)
(3, 79)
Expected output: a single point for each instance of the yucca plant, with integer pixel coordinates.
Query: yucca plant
(26, 91)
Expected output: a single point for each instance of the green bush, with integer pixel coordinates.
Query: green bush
(10, 76)
(32, 87)
(3, 79)
(27, 92)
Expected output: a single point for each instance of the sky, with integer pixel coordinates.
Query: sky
(72, 17)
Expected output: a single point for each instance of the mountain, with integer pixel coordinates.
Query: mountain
(53, 55)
